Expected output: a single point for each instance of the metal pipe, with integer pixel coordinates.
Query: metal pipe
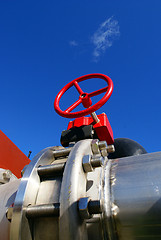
(136, 196)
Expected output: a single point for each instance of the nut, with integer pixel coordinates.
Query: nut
(87, 163)
(89, 207)
(95, 146)
(102, 145)
(83, 208)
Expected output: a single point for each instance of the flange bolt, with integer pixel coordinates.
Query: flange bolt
(90, 162)
(89, 207)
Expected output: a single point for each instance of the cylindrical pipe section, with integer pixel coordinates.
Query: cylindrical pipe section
(136, 196)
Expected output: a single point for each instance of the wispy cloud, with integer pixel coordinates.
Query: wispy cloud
(103, 38)
(73, 43)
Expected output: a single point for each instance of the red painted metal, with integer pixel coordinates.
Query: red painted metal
(11, 156)
(103, 128)
(87, 101)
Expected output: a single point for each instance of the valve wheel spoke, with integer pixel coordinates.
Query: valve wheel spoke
(84, 98)
(78, 88)
(73, 106)
(95, 93)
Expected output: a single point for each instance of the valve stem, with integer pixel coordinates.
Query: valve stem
(94, 116)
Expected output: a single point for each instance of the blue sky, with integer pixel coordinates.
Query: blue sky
(46, 44)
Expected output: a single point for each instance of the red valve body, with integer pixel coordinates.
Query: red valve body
(103, 128)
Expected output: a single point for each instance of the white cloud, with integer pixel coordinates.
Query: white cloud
(73, 43)
(103, 38)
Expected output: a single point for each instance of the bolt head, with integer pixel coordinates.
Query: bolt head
(87, 163)
(95, 146)
(102, 145)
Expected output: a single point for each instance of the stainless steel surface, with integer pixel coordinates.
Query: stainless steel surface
(102, 145)
(63, 152)
(49, 193)
(43, 210)
(83, 208)
(136, 196)
(9, 213)
(35, 215)
(6, 176)
(7, 197)
(110, 148)
(29, 193)
(73, 188)
(119, 199)
(88, 207)
(97, 161)
(95, 146)
(51, 170)
(87, 167)
(105, 149)
(107, 219)
(95, 191)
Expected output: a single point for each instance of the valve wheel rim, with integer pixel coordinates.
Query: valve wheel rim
(67, 113)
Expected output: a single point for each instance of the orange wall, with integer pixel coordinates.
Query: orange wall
(11, 157)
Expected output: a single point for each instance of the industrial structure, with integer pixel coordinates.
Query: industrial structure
(92, 187)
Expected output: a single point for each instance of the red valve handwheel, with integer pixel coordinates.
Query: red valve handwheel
(84, 98)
